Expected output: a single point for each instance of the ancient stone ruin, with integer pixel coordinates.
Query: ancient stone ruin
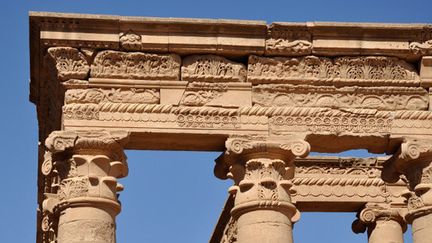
(265, 96)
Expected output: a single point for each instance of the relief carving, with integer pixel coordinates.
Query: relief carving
(199, 94)
(136, 65)
(74, 187)
(130, 41)
(96, 96)
(321, 120)
(423, 48)
(288, 41)
(69, 62)
(370, 70)
(381, 98)
(211, 68)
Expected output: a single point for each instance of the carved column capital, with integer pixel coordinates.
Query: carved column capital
(84, 167)
(242, 149)
(69, 63)
(372, 213)
(88, 142)
(412, 154)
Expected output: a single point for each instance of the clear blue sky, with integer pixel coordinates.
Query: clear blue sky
(169, 196)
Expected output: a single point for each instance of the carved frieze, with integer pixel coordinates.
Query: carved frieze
(96, 96)
(371, 70)
(211, 68)
(381, 98)
(136, 65)
(328, 121)
(69, 63)
(288, 40)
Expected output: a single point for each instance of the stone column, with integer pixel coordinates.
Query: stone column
(383, 224)
(85, 167)
(413, 161)
(262, 170)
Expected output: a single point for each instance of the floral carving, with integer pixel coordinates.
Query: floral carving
(130, 41)
(381, 98)
(136, 65)
(288, 41)
(199, 94)
(69, 62)
(325, 71)
(211, 68)
(74, 187)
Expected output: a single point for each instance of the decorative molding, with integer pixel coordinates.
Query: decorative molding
(136, 65)
(130, 41)
(69, 62)
(371, 70)
(381, 98)
(211, 68)
(332, 121)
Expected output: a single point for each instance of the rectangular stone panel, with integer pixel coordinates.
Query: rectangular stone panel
(341, 71)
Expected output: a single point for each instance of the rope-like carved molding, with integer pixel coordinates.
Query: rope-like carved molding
(211, 68)
(136, 65)
(315, 181)
(372, 70)
(382, 98)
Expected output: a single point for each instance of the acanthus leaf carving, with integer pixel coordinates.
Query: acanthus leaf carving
(69, 63)
(211, 68)
(370, 70)
(136, 65)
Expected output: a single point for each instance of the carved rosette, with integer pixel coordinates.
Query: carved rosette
(375, 213)
(69, 63)
(288, 40)
(211, 68)
(136, 65)
(262, 170)
(361, 71)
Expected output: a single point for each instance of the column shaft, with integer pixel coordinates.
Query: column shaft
(422, 229)
(386, 231)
